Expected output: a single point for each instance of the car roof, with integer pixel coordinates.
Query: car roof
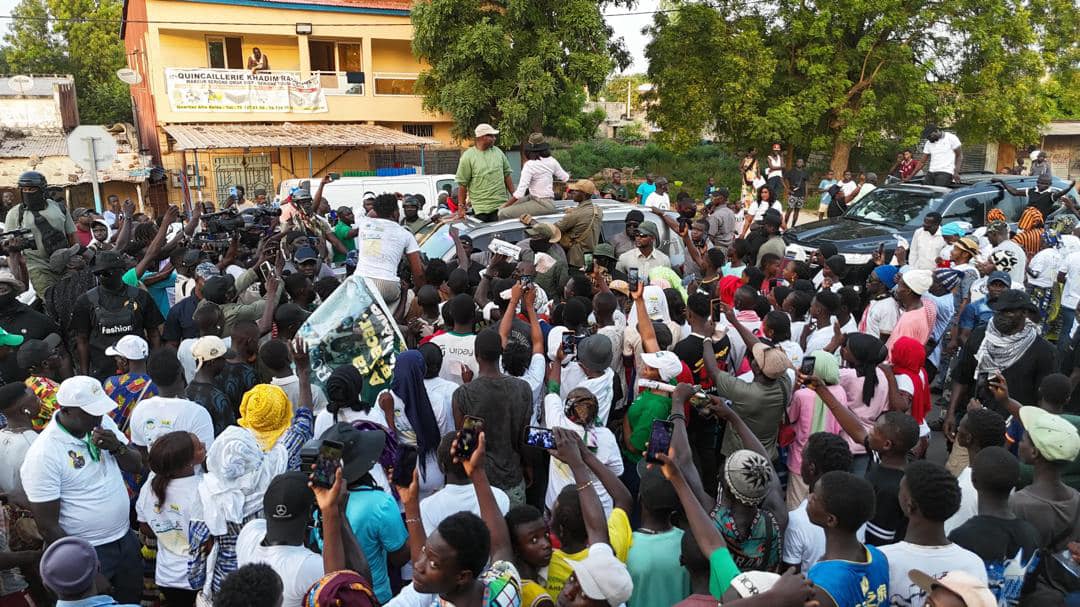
(471, 225)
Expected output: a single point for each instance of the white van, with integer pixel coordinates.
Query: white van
(349, 191)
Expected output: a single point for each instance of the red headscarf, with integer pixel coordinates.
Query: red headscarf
(909, 358)
(727, 288)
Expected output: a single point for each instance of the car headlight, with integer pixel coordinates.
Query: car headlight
(857, 259)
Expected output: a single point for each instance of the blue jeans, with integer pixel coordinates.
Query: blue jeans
(121, 563)
(1068, 317)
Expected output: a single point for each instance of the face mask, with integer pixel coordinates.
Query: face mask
(34, 200)
(111, 279)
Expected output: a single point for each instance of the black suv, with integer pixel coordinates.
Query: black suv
(899, 209)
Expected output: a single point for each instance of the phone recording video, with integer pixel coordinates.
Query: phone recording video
(633, 277)
(537, 436)
(405, 466)
(327, 463)
(807, 365)
(659, 439)
(569, 343)
(469, 437)
(526, 280)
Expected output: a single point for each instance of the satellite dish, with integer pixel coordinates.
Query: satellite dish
(128, 75)
(20, 84)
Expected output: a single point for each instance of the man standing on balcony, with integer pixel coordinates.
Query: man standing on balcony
(483, 175)
(258, 62)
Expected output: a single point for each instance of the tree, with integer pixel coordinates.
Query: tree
(839, 73)
(511, 63)
(30, 45)
(75, 37)
(615, 89)
(709, 74)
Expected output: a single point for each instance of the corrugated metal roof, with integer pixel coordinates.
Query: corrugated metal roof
(289, 134)
(42, 86)
(391, 5)
(1062, 127)
(24, 144)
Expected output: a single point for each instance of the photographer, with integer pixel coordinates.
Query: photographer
(298, 213)
(51, 229)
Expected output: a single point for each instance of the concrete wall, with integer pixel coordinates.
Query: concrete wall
(1064, 154)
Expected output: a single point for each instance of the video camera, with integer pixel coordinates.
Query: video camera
(7, 239)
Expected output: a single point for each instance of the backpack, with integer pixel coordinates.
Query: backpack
(111, 325)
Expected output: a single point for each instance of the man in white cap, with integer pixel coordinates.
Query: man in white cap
(210, 352)
(71, 476)
(132, 385)
(483, 174)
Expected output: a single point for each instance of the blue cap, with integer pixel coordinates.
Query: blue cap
(999, 276)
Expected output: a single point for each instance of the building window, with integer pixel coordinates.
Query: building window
(419, 130)
(225, 53)
(350, 57)
(395, 84)
(322, 55)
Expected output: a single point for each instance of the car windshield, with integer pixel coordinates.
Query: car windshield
(897, 207)
(436, 246)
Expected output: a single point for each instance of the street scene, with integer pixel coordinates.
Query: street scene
(576, 303)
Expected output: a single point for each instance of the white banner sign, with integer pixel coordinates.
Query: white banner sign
(210, 90)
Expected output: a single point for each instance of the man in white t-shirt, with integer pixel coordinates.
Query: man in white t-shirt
(457, 345)
(381, 242)
(278, 539)
(71, 476)
(169, 411)
(941, 157)
(1070, 298)
(997, 232)
(659, 198)
(457, 495)
(804, 542)
(929, 495)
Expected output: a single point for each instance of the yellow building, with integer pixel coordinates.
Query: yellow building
(337, 95)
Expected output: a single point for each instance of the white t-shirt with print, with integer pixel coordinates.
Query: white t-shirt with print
(457, 350)
(599, 439)
(380, 245)
(659, 201)
(93, 497)
(297, 566)
(169, 522)
(942, 153)
(1044, 267)
(160, 415)
(936, 561)
(1070, 297)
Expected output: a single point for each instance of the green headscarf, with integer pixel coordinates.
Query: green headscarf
(827, 369)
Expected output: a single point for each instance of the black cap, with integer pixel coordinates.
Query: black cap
(289, 314)
(361, 449)
(107, 260)
(1013, 299)
(216, 289)
(33, 352)
(288, 498)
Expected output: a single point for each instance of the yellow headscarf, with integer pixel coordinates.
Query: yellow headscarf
(267, 413)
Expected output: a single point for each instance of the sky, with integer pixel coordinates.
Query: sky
(629, 27)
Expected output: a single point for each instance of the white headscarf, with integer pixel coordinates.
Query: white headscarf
(238, 473)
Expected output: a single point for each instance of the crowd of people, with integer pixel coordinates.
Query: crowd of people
(577, 423)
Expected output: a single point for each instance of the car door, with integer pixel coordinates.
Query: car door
(971, 208)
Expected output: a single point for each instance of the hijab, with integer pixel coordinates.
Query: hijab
(909, 358)
(408, 385)
(869, 352)
(827, 369)
(238, 473)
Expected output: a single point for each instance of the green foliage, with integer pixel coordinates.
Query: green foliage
(513, 63)
(632, 132)
(692, 166)
(82, 41)
(615, 89)
(861, 74)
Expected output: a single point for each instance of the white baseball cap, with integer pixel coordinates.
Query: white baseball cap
(131, 347)
(210, 347)
(666, 363)
(84, 393)
(485, 129)
(602, 576)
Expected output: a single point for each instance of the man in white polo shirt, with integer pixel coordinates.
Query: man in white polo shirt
(71, 476)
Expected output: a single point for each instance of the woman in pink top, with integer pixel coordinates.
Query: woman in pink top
(917, 317)
(809, 414)
(866, 388)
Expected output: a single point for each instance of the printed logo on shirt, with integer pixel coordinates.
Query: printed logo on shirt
(77, 461)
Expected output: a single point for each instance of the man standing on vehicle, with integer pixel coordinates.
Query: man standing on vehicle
(580, 226)
(941, 157)
(50, 225)
(1042, 196)
(483, 175)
